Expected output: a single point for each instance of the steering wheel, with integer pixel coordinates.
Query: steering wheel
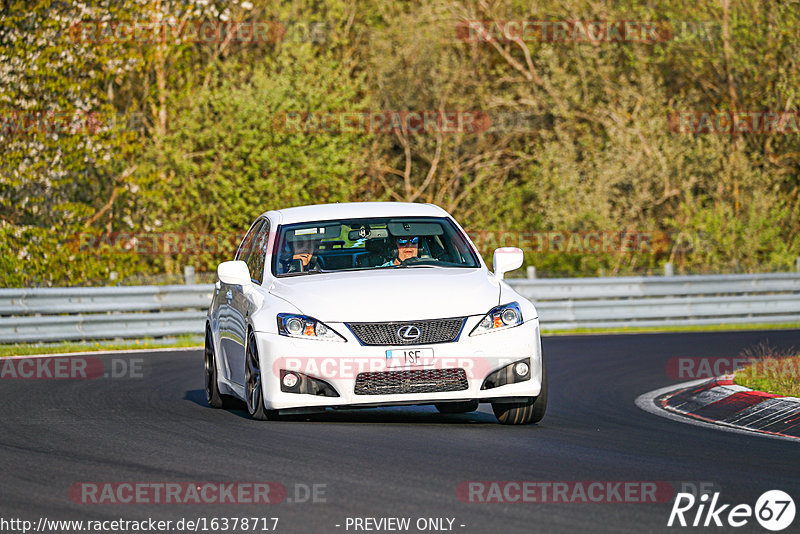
(412, 259)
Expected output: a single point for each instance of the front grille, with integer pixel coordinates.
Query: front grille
(411, 381)
(431, 331)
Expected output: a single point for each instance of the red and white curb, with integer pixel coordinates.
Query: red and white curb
(721, 404)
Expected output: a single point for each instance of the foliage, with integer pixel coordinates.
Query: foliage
(189, 131)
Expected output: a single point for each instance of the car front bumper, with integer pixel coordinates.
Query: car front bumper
(339, 363)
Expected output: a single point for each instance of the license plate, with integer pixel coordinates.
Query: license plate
(413, 357)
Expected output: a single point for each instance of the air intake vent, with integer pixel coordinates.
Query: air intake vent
(408, 333)
(411, 381)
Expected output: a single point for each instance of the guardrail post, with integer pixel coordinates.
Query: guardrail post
(532, 270)
(797, 264)
(668, 270)
(188, 275)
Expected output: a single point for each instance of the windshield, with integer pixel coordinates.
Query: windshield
(379, 243)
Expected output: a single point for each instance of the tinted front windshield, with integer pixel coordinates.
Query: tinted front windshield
(379, 243)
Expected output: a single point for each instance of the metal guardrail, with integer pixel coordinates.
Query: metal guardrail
(52, 314)
(74, 313)
(569, 303)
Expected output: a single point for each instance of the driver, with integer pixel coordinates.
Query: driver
(407, 247)
(304, 256)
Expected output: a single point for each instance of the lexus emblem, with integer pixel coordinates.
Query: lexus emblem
(408, 332)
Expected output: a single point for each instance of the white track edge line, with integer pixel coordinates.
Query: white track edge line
(101, 352)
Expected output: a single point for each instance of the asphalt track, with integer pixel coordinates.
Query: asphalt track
(398, 462)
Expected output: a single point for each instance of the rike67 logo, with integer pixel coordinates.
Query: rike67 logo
(774, 510)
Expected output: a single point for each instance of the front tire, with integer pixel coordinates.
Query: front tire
(523, 413)
(253, 380)
(213, 396)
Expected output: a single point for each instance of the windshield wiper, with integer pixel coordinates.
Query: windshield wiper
(412, 265)
(315, 271)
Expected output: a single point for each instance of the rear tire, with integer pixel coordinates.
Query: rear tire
(213, 396)
(254, 384)
(523, 413)
(457, 407)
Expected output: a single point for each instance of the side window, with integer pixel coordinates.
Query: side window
(258, 254)
(244, 248)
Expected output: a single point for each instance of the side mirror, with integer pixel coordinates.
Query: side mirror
(506, 259)
(234, 273)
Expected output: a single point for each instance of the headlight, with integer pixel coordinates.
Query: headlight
(499, 318)
(292, 325)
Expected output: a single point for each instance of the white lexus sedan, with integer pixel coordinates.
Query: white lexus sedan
(371, 304)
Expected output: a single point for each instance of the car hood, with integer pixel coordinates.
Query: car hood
(391, 294)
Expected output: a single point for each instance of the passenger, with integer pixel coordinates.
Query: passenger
(407, 248)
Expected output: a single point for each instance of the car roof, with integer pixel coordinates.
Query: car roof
(355, 210)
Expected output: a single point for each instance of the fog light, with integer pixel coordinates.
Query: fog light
(510, 374)
(290, 380)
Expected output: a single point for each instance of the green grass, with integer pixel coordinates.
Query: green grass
(656, 329)
(780, 376)
(771, 371)
(26, 349)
